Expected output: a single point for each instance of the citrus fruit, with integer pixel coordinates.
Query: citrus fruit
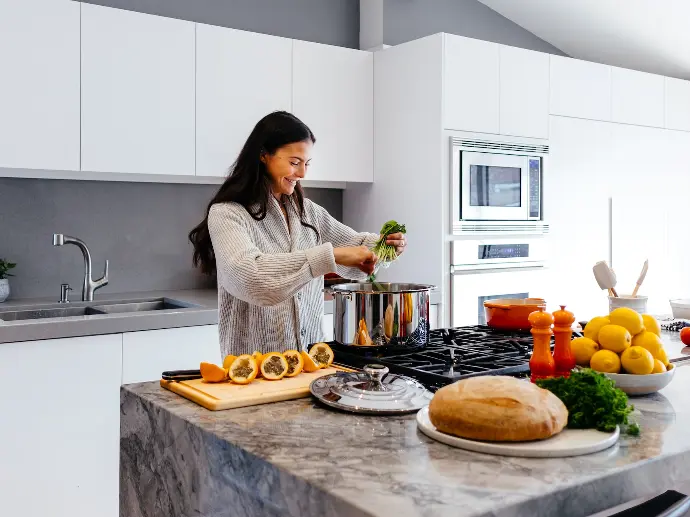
(244, 369)
(592, 328)
(583, 349)
(637, 360)
(663, 357)
(628, 318)
(295, 362)
(212, 373)
(648, 340)
(257, 357)
(651, 325)
(605, 361)
(614, 338)
(659, 367)
(309, 364)
(228, 360)
(274, 366)
(322, 354)
(685, 335)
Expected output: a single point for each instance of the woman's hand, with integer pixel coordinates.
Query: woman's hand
(398, 241)
(360, 257)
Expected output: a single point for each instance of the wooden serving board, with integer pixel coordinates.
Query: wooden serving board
(228, 395)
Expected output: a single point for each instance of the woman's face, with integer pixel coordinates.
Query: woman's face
(287, 166)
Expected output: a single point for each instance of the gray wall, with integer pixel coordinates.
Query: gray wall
(140, 227)
(406, 20)
(334, 22)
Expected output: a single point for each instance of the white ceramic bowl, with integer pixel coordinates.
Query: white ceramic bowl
(680, 309)
(642, 384)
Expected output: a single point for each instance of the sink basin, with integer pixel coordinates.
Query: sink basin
(159, 304)
(59, 312)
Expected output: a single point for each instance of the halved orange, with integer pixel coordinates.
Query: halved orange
(243, 370)
(295, 362)
(258, 358)
(274, 366)
(212, 372)
(309, 364)
(322, 354)
(228, 360)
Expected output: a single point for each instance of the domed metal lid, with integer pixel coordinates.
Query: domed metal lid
(373, 391)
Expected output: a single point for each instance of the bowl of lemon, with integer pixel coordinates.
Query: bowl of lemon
(627, 347)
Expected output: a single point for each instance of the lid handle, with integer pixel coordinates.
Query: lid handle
(376, 372)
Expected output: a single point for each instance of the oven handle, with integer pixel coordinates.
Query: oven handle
(477, 271)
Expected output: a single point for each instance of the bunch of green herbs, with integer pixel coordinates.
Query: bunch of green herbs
(385, 253)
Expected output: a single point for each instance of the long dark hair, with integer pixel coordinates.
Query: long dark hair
(249, 183)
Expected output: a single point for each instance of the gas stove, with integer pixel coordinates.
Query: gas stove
(452, 354)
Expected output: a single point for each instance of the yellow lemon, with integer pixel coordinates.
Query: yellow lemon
(661, 356)
(658, 367)
(614, 338)
(651, 325)
(628, 318)
(605, 361)
(648, 340)
(594, 325)
(637, 360)
(583, 349)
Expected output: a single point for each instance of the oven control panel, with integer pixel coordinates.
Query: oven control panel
(498, 253)
(502, 251)
(534, 192)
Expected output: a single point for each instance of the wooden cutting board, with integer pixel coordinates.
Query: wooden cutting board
(227, 395)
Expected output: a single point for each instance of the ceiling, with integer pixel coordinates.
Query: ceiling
(647, 35)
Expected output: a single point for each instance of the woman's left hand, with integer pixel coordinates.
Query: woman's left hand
(398, 241)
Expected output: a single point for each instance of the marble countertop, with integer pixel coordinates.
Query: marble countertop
(299, 458)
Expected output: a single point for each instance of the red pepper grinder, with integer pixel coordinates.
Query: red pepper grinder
(562, 353)
(541, 364)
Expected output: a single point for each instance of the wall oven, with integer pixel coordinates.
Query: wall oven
(497, 186)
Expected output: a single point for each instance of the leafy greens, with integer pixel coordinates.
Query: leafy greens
(386, 253)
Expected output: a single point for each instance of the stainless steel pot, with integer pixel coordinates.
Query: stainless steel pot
(381, 314)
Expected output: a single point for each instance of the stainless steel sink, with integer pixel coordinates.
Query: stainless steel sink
(60, 312)
(159, 304)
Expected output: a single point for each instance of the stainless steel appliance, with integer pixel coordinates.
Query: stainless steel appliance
(497, 186)
(491, 268)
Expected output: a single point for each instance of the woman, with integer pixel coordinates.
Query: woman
(270, 247)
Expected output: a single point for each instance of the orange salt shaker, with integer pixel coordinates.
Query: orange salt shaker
(562, 353)
(541, 365)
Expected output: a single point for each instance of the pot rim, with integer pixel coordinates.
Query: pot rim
(350, 289)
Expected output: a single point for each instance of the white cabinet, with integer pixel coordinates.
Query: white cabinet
(146, 354)
(240, 78)
(327, 326)
(637, 97)
(471, 84)
(39, 84)
(433, 317)
(59, 440)
(579, 89)
(137, 97)
(524, 93)
(333, 94)
(677, 104)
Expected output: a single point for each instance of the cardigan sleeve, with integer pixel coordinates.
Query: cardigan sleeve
(260, 278)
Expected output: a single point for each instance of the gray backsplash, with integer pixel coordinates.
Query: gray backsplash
(140, 227)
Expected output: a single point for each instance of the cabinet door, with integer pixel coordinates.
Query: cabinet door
(637, 97)
(327, 327)
(60, 436)
(137, 92)
(147, 354)
(39, 85)
(471, 84)
(524, 93)
(677, 104)
(433, 317)
(580, 89)
(333, 93)
(240, 78)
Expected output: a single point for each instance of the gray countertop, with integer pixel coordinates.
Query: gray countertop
(298, 458)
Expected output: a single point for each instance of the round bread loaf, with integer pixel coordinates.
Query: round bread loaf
(497, 408)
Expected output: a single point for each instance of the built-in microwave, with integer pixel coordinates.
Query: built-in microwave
(497, 186)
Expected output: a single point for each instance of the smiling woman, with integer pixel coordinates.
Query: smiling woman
(269, 247)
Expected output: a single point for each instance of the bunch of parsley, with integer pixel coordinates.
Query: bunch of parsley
(592, 400)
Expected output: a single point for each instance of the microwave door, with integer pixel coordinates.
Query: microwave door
(494, 187)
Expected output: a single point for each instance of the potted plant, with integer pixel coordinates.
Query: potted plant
(4, 282)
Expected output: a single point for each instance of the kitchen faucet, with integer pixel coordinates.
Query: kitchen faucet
(89, 285)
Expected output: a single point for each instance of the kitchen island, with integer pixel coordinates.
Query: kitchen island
(299, 458)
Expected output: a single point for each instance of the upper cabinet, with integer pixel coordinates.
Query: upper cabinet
(333, 93)
(524, 93)
(240, 77)
(471, 84)
(137, 101)
(677, 104)
(39, 85)
(580, 89)
(637, 97)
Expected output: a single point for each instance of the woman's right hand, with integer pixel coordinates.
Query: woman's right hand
(360, 257)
